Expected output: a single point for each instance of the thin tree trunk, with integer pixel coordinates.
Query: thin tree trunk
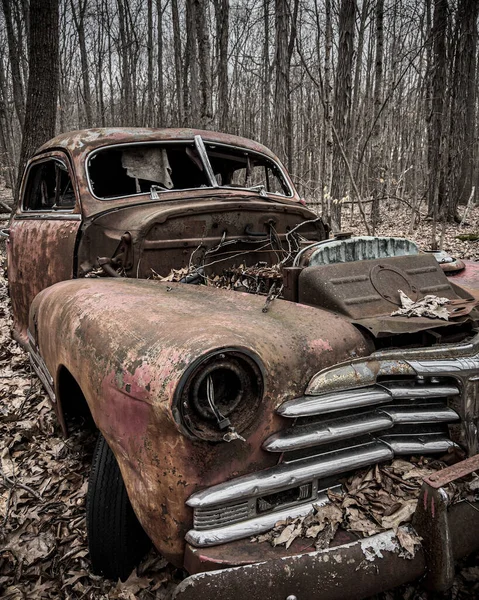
(376, 173)
(222, 36)
(177, 55)
(204, 59)
(14, 54)
(41, 107)
(342, 102)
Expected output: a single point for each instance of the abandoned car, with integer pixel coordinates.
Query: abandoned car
(238, 362)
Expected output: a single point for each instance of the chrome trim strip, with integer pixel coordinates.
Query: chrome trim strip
(238, 531)
(307, 406)
(334, 401)
(351, 426)
(421, 413)
(419, 443)
(333, 430)
(290, 474)
(451, 359)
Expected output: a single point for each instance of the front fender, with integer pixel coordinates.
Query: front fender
(128, 343)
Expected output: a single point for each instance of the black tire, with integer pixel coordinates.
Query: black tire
(116, 540)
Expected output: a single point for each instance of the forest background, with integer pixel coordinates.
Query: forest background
(364, 101)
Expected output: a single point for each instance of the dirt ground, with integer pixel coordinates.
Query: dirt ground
(43, 477)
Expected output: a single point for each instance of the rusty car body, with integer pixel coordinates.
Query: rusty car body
(228, 409)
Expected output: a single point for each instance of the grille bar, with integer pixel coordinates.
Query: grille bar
(294, 473)
(238, 531)
(351, 426)
(430, 443)
(308, 406)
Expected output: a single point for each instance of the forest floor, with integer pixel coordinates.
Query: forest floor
(43, 477)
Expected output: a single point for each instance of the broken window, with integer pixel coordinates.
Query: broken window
(234, 167)
(49, 187)
(133, 169)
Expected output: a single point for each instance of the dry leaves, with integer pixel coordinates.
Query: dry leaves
(430, 306)
(371, 501)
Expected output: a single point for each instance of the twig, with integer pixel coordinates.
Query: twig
(7, 508)
(469, 202)
(13, 483)
(5, 207)
(353, 181)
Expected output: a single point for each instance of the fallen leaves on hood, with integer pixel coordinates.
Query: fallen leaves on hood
(430, 306)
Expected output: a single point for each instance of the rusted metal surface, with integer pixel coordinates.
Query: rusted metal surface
(129, 369)
(432, 522)
(376, 562)
(40, 253)
(368, 291)
(454, 472)
(468, 277)
(325, 575)
(165, 235)
(79, 144)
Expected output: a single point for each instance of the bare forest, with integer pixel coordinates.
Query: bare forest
(365, 102)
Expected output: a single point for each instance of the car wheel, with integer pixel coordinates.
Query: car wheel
(116, 540)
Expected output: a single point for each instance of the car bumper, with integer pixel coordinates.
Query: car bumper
(361, 568)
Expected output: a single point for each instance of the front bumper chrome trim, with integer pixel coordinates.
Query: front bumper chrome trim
(238, 531)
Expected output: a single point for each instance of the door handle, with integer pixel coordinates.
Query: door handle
(4, 233)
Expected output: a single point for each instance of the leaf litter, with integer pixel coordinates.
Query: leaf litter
(43, 484)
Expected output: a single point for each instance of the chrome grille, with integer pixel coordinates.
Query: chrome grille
(353, 415)
(347, 415)
(205, 518)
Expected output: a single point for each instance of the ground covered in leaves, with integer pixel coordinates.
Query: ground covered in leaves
(43, 479)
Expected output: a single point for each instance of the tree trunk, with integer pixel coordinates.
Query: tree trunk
(281, 88)
(161, 90)
(376, 171)
(342, 103)
(14, 54)
(328, 117)
(436, 125)
(177, 59)
(79, 20)
(463, 124)
(204, 59)
(222, 35)
(42, 92)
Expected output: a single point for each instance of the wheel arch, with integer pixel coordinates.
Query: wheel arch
(71, 401)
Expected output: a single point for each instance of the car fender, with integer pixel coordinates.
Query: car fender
(128, 343)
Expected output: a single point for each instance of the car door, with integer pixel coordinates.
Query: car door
(43, 234)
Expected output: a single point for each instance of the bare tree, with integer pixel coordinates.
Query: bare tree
(42, 92)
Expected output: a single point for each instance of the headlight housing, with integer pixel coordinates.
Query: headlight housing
(219, 393)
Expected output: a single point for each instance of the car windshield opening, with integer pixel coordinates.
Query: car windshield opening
(235, 167)
(133, 169)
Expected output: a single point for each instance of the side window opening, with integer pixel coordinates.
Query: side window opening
(49, 187)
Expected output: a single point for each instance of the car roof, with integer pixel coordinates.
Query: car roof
(85, 140)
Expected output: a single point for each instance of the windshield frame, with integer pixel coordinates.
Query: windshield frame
(213, 185)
